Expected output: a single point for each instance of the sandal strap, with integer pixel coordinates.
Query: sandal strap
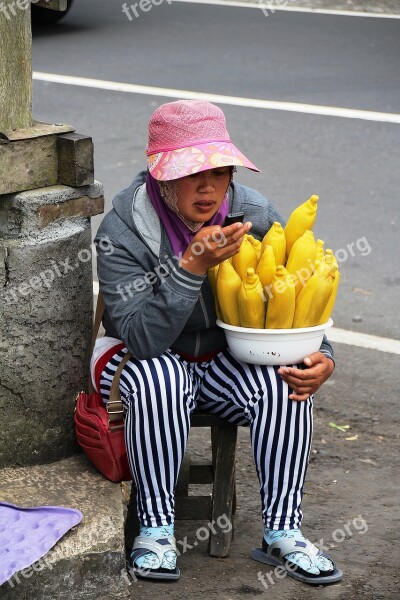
(284, 546)
(143, 544)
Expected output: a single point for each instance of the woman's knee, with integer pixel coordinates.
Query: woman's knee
(155, 382)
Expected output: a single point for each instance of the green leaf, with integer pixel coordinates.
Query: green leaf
(342, 428)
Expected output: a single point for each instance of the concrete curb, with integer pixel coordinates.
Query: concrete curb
(90, 558)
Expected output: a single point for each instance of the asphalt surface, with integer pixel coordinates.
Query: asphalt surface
(352, 164)
(319, 59)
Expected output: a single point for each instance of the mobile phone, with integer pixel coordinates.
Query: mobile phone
(236, 217)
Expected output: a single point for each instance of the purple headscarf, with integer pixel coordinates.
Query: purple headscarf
(178, 233)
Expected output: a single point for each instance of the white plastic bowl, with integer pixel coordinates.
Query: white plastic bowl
(273, 346)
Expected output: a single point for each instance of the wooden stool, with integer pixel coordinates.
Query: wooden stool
(220, 473)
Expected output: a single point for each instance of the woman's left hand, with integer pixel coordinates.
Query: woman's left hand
(305, 382)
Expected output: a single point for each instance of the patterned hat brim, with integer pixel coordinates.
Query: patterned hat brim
(173, 164)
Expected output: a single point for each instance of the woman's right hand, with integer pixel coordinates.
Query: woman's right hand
(212, 245)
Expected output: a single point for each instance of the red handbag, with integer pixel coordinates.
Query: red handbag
(102, 442)
(99, 428)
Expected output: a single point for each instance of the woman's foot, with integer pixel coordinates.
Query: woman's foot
(154, 553)
(317, 564)
(302, 560)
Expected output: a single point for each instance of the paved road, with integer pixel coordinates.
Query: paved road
(317, 59)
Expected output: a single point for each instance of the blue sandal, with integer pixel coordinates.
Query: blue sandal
(144, 545)
(274, 555)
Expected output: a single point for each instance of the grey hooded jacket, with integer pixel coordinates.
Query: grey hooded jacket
(152, 303)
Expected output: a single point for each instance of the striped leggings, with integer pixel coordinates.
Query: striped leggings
(159, 396)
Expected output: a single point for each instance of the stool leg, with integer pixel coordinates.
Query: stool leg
(182, 485)
(132, 521)
(224, 451)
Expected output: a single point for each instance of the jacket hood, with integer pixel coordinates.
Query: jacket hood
(122, 202)
(133, 206)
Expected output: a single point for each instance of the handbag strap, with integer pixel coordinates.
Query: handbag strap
(100, 308)
(115, 407)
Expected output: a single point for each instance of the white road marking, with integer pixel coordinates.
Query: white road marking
(131, 88)
(271, 7)
(341, 336)
(364, 340)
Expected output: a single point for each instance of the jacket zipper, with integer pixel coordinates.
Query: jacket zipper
(197, 345)
(203, 306)
(207, 321)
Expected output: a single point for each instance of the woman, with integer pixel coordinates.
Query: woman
(166, 231)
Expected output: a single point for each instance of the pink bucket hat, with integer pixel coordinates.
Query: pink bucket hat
(189, 136)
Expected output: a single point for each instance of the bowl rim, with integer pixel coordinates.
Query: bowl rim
(224, 325)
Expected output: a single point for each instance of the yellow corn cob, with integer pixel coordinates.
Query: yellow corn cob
(319, 244)
(313, 298)
(246, 258)
(331, 302)
(325, 264)
(266, 266)
(275, 237)
(301, 219)
(301, 259)
(212, 278)
(250, 302)
(281, 301)
(256, 245)
(228, 284)
(329, 252)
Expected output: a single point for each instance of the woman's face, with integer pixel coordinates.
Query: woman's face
(200, 195)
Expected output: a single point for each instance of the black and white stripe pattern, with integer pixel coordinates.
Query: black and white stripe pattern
(160, 394)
